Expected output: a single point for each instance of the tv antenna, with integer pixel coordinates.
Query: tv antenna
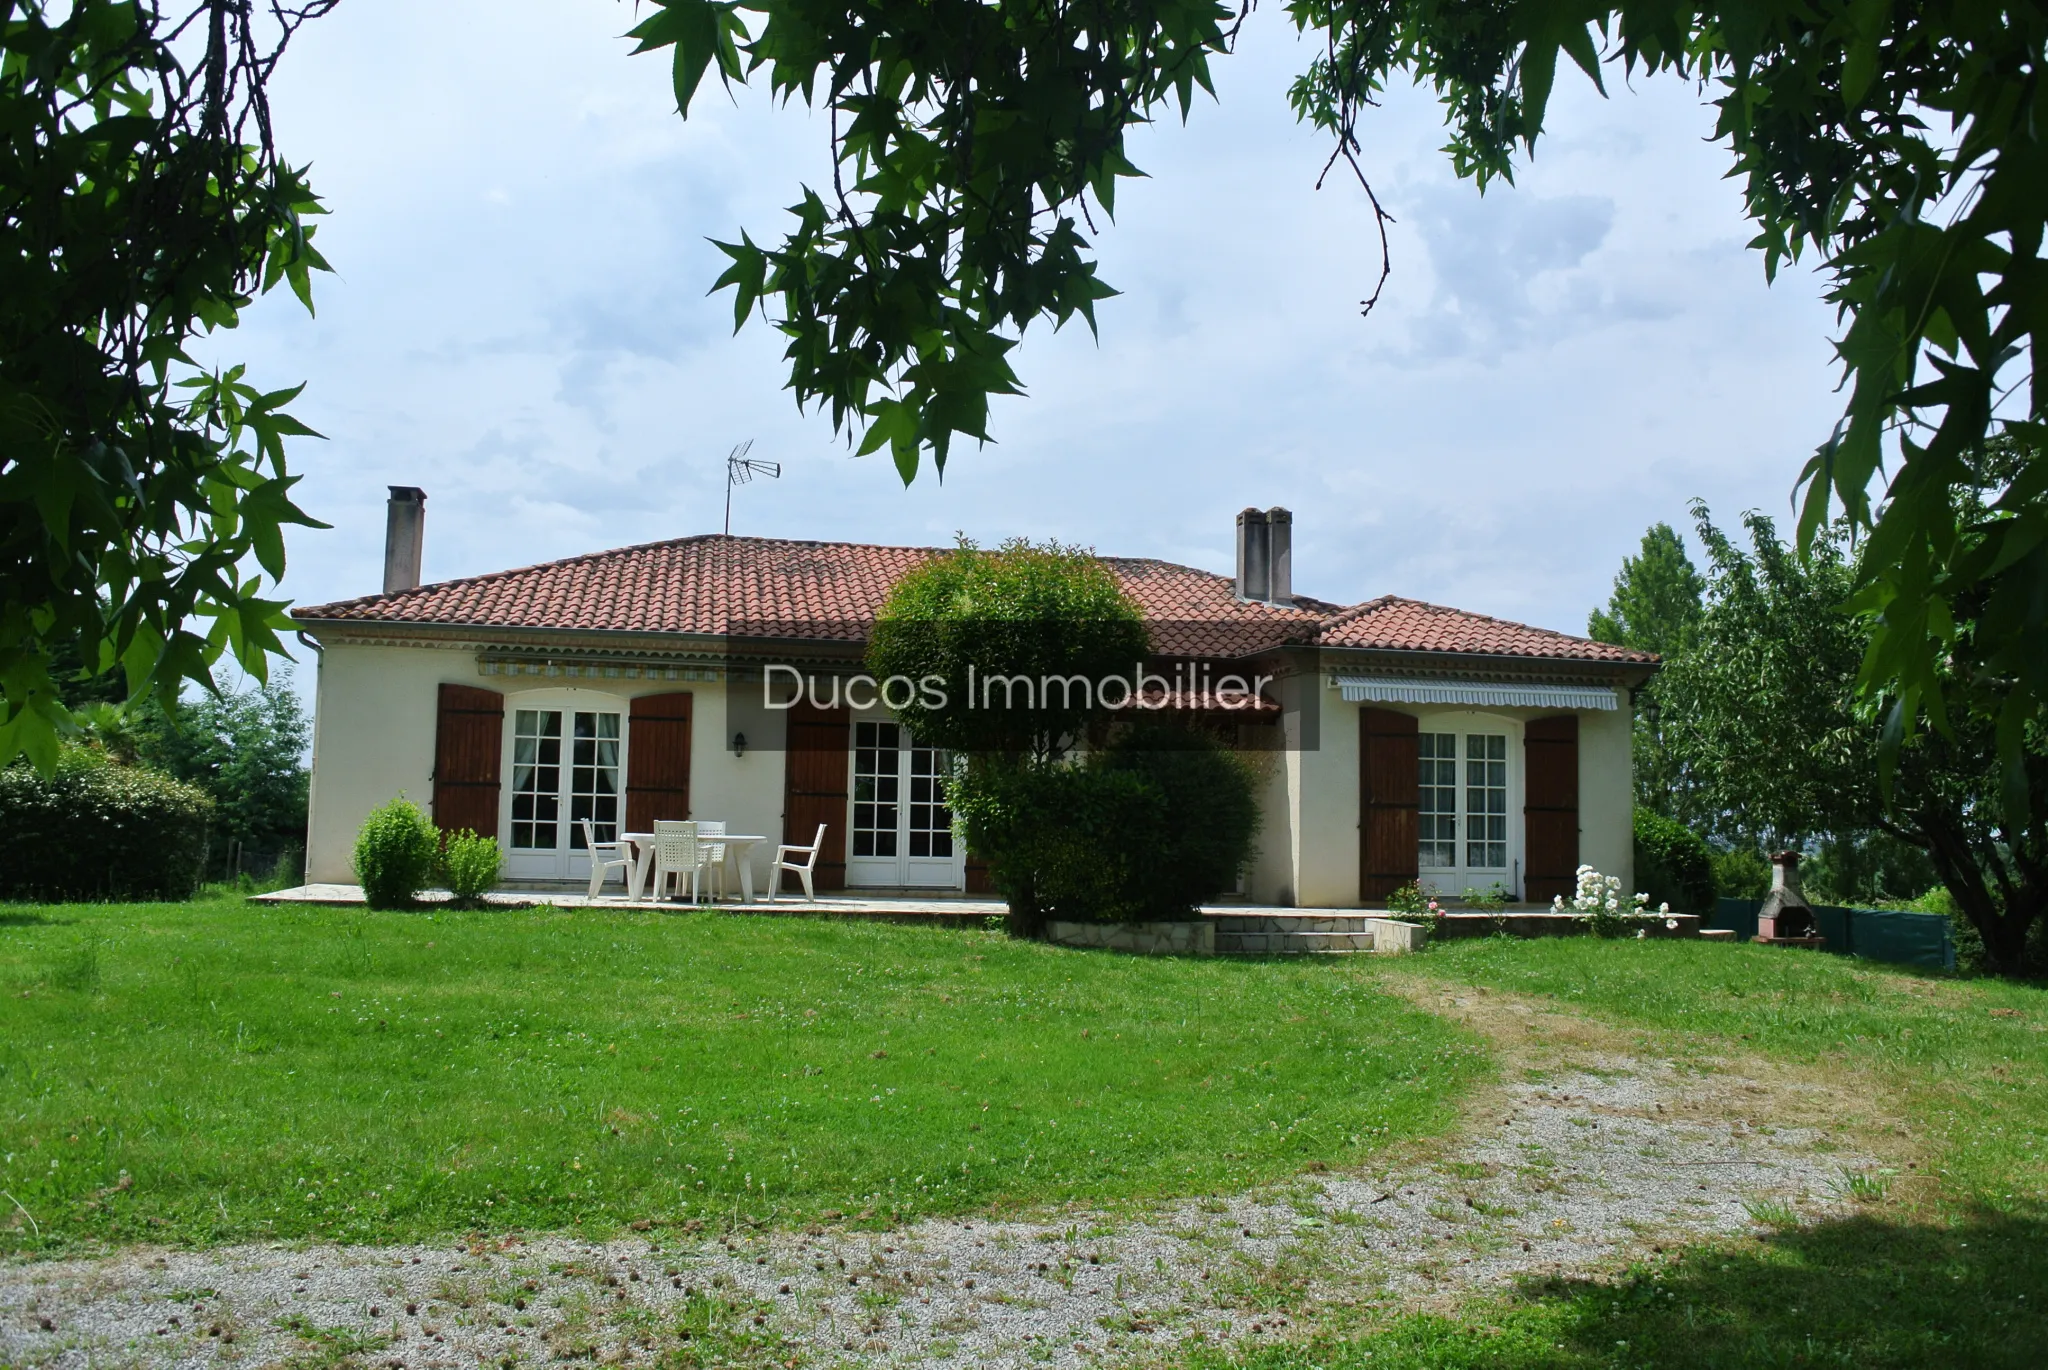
(740, 469)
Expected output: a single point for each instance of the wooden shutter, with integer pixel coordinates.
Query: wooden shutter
(468, 739)
(1550, 812)
(815, 766)
(1389, 798)
(658, 760)
(979, 881)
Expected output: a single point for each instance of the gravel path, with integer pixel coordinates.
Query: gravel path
(1563, 1172)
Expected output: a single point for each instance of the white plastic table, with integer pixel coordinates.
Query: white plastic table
(737, 847)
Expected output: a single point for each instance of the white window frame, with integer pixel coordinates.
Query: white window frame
(902, 871)
(1452, 881)
(565, 862)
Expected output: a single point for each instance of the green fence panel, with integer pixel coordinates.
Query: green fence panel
(1889, 935)
(1902, 938)
(1736, 915)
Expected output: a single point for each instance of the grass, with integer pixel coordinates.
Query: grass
(1954, 1274)
(217, 1071)
(1968, 1059)
(220, 1071)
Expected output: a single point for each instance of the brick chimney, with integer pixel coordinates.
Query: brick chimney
(405, 531)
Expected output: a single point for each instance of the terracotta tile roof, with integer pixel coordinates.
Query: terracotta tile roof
(831, 591)
(1391, 623)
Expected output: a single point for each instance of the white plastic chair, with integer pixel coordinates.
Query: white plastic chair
(607, 856)
(802, 868)
(677, 852)
(714, 853)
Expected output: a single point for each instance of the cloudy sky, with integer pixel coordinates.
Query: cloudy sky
(519, 323)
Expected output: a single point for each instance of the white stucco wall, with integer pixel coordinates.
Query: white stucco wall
(1607, 792)
(1326, 849)
(1321, 809)
(374, 739)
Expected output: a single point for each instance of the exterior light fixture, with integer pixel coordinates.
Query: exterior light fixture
(739, 744)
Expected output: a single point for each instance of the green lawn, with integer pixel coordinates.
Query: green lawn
(1957, 1276)
(319, 1073)
(222, 1071)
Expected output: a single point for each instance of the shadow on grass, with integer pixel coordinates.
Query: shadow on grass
(26, 918)
(1860, 1291)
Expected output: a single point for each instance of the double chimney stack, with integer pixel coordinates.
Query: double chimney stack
(1265, 556)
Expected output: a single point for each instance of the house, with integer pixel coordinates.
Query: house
(1397, 740)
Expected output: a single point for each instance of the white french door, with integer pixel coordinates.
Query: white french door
(565, 768)
(1467, 838)
(902, 827)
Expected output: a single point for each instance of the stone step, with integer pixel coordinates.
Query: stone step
(1292, 943)
(1291, 924)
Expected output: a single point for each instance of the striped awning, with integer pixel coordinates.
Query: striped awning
(1362, 689)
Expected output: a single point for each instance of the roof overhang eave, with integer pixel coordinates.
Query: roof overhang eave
(1627, 674)
(591, 639)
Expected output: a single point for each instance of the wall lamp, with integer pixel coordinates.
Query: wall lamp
(739, 744)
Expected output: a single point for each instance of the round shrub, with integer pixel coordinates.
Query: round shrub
(396, 852)
(1673, 865)
(94, 829)
(1144, 830)
(1186, 844)
(473, 865)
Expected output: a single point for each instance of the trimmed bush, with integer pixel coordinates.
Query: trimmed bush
(473, 865)
(98, 830)
(1144, 830)
(396, 852)
(1673, 865)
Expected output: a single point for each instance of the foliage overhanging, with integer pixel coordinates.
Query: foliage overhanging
(1903, 144)
(142, 205)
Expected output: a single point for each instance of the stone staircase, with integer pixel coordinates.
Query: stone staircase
(1292, 934)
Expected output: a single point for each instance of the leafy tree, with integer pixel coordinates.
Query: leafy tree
(142, 203)
(1870, 869)
(1767, 722)
(1655, 606)
(1902, 144)
(1657, 598)
(971, 616)
(1020, 611)
(1078, 815)
(247, 752)
(1761, 713)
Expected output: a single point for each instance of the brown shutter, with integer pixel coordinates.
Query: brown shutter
(658, 760)
(815, 766)
(979, 881)
(468, 735)
(1550, 813)
(1389, 784)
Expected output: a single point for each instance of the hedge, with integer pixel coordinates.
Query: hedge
(1673, 865)
(97, 830)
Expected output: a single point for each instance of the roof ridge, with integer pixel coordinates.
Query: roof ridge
(583, 558)
(1469, 613)
(483, 577)
(1362, 607)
